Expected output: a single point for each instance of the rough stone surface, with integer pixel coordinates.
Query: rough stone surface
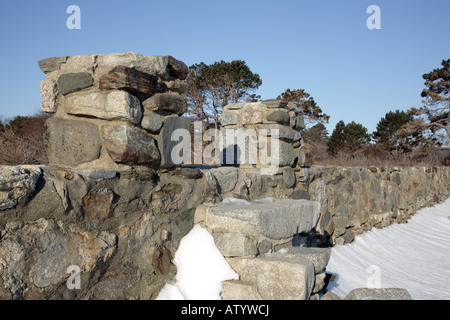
(50, 250)
(224, 178)
(130, 145)
(72, 82)
(378, 294)
(177, 68)
(239, 290)
(71, 143)
(279, 116)
(165, 142)
(294, 278)
(227, 119)
(49, 94)
(17, 184)
(170, 102)
(152, 121)
(250, 117)
(284, 133)
(131, 80)
(318, 256)
(115, 105)
(235, 244)
(51, 64)
(97, 203)
(279, 220)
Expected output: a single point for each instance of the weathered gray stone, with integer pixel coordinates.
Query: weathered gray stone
(152, 121)
(284, 156)
(289, 178)
(239, 290)
(378, 294)
(278, 220)
(235, 244)
(98, 174)
(49, 250)
(283, 132)
(165, 142)
(279, 116)
(227, 119)
(250, 117)
(130, 145)
(51, 64)
(170, 102)
(224, 178)
(71, 143)
(49, 94)
(318, 256)
(277, 104)
(73, 82)
(177, 86)
(115, 105)
(277, 277)
(17, 184)
(297, 122)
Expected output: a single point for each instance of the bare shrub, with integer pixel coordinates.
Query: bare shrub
(23, 144)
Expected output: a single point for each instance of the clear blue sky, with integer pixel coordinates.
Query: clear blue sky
(323, 46)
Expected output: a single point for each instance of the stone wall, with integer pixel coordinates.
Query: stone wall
(122, 228)
(113, 111)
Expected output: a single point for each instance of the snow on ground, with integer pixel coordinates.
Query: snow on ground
(201, 268)
(414, 256)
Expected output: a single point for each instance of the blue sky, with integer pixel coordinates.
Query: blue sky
(323, 46)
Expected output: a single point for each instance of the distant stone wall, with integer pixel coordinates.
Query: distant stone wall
(112, 111)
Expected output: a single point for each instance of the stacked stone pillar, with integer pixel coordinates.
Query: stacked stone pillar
(113, 111)
(263, 123)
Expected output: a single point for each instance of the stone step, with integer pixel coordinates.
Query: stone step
(289, 274)
(280, 219)
(273, 277)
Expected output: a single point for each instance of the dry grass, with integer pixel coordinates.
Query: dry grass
(23, 145)
(316, 154)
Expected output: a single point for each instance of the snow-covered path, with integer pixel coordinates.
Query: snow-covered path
(414, 256)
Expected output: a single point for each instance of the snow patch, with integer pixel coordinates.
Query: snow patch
(235, 201)
(414, 256)
(201, 269)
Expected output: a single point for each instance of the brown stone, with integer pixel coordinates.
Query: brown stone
(177, 69)
(161, 261)
(51, 64)
(97, 204)
(136, 82)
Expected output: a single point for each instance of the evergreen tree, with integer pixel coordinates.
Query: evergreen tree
(305, 105)
(349, 138)
(436, 109)
(387, 133)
